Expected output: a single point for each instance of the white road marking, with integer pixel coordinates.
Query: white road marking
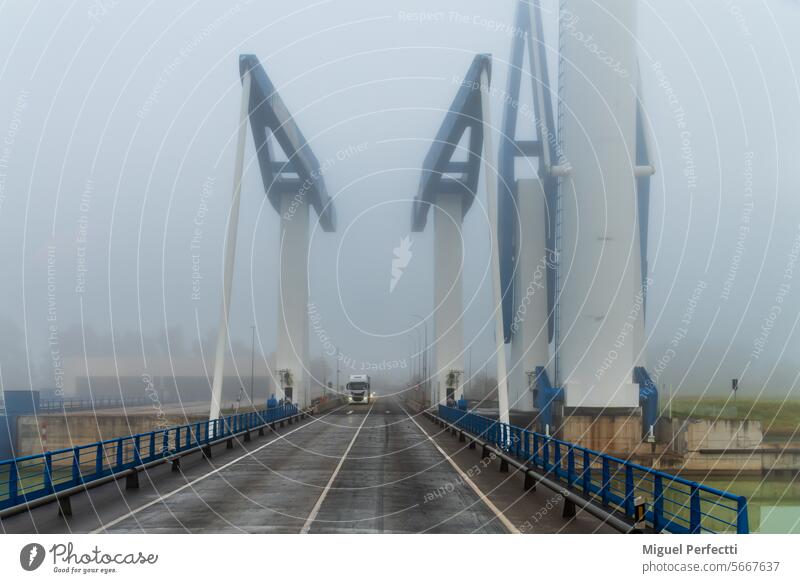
(315, 511)
(204, 476)
(350, 412)
(502, 517)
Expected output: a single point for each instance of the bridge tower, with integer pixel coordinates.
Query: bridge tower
(582, 220)
(448, 185)
(293, 186)
(526, 209)
(599, 279)
(449, 182)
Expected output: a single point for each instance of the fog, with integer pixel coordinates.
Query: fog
(118, 125)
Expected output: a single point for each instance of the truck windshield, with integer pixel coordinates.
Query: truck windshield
(357, 386)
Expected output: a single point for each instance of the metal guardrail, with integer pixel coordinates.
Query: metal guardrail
(87, 404)
(673, 504)
(31, 478)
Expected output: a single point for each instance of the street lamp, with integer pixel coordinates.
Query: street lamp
(419, 353)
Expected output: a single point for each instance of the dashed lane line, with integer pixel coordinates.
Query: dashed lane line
(315, 511)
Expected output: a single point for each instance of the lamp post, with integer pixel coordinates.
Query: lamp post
(419, 353)
(424, 354)
(338, 360)
(252, 362)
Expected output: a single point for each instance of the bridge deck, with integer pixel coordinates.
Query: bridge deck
(356, 469)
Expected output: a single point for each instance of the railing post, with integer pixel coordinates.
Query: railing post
(536, 449)
(658, 503)
(165, 442)
(98, 461)
(13, 481)
(76, 465)
(606, 481)
(557, 458)
(137, 455)
(570, 465)
(152, 445)
(629, 490)
(48, 472)
(119, 455)
(527, 447)
(587, 473)
(546, 453)
(695, 515)
(177, 439)
(742, 524)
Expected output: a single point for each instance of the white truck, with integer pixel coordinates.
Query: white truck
(358, 389)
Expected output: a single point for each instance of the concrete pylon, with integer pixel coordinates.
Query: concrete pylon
(448, 185)
(448, 295)
(529, 344)
(293, 187)
(599, 278)
(292, 346)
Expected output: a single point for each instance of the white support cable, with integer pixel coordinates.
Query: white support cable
(559, 210)
(230, 252)
(490, 166)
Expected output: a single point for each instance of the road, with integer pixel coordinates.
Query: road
(357, 469)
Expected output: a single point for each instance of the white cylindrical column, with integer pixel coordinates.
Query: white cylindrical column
(529, 345)
(292, 346)
(448, 295)
(599, 281)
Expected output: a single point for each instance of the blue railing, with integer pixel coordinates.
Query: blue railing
(26, 479)
(673, 504)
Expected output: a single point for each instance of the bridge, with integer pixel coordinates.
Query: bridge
(352, 469)
(429, 463)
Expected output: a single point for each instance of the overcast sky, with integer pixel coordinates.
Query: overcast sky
(118, 121)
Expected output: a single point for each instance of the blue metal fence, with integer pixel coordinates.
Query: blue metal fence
(673, 504)
(25, 479)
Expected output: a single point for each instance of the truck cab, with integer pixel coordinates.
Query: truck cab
(358, 389)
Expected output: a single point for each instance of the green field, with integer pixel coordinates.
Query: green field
(780, 420)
